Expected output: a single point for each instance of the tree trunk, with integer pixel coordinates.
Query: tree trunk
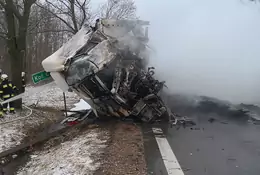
(13, 51)
(21, 43)
(16, 67)
(16, 43)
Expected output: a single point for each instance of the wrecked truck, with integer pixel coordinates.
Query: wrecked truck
(107, 66)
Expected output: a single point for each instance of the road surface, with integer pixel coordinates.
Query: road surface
(221, 147)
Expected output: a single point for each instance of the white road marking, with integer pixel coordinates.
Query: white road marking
(170, 161)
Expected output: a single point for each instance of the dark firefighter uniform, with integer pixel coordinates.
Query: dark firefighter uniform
(1, 107)
(23, 81)
(7, 90)
(1, 75)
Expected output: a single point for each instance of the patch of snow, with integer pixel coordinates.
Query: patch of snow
(75, 157)
(81, 105)
(12, 130)
(48, 95)
(10, 135)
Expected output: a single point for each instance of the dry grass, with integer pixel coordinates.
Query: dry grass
(125, 153)
(40, 120)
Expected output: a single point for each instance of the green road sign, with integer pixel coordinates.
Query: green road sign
(40, 76)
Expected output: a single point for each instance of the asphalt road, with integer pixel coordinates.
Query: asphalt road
(223, 147)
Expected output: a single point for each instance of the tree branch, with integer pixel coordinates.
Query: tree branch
(60, 10)
(52, 31)
(66, 5)
(73, 17)
(11, 6)
(55, 6)
(65, 22)
(2, 4)
(38, 22)
(83, 9)
(118, 9)
(3, 37)
(3, 34)
(3, 23)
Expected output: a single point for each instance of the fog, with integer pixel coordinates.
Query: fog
(206, 47)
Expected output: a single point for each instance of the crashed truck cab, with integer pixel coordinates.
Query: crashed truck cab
(106, 67)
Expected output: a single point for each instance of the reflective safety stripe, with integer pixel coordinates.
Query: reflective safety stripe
(6, 96)
(14, 87)
(1, 113)
(11, 109)
(1, 92)
(10, 85)
(12, 95)
(5, 86)
(4, 109)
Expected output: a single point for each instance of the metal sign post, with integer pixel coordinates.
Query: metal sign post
(65, 104)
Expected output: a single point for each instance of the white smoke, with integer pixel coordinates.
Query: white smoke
(206, 47)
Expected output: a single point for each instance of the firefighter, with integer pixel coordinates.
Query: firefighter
(7, 90)
(1, 107)
(1, 72)
(23, 81)
(1, 111)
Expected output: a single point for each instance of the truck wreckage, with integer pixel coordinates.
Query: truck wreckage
(107, 66)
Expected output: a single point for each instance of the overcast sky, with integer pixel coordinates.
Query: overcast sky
(206, 47)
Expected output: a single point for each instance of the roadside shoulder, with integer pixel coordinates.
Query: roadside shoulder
(125, 152)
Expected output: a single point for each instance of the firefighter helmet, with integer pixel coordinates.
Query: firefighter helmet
(4, 76)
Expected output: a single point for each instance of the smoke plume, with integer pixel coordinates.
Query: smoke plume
(206, 47)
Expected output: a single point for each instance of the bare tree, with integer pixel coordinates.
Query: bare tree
(17, 16)
(73, 13)
(3, 29)
(118, 9)
(45, 35)
(51, 23)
